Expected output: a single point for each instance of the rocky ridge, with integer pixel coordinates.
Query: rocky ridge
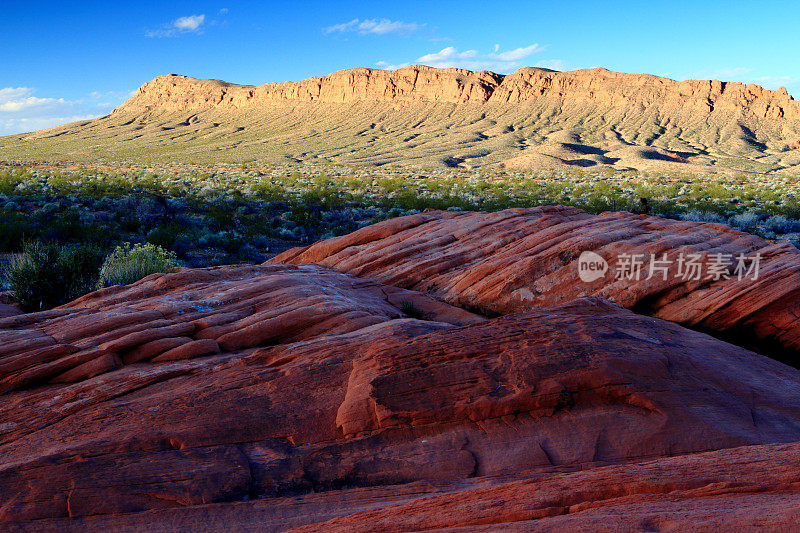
(418, 83)
(427, 117)
(520, 259)
(309, 397)
(356, 397)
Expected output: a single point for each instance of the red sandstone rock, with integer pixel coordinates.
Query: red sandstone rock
(366, 409)
(138, 338)
(153, 348)
(105, 362)
(746, 488)
(189, 350)
(236, 307)
(742, 489)
(9, 310)
(528, 258)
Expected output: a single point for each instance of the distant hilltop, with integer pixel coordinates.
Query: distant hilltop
(421, 116)
(427, 84)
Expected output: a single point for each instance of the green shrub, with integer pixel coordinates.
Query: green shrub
(80, 267)
(46, 275)
(411, 310)
(130, 263)
(14, 230)
(166, 235)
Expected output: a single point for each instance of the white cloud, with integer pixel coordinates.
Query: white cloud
(21, 111)
(519, 53)
(552, 64)
(390, 66)
(27, 124)
(14, 99)
(773, 82)
(188, 24)
(502, 62)
(343, 27)
(447, 55)
(223, 11)
(374, 26)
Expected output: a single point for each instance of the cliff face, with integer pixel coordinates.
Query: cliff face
(425, 84)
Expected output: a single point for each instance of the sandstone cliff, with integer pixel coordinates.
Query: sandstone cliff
(426, 84)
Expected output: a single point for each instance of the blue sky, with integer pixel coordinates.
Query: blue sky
(64, 61)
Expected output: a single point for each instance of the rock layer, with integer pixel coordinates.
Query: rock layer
(752, 488)
(518, 259)
(325, 401)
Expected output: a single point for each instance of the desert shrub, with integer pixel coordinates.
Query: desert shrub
(14, 229)
(324, 193)
(702, 216)
(79, 268)
(745, 221)
(46, 275)
(781, 224)
(129, 263)
(307, 217)
(74, 225)
(9, 180)
(128, 222)
(31, 276)
(166, 235)
(411, 310)
(220, 216)
(395, 212)
(269, 192)
(228, 241)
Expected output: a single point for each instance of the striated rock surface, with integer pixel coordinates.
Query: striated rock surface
(519, 259)
(272, 397)
(752, 488)
(197, 313)
(748, 488)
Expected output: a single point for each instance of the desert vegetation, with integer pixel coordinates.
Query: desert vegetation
(198, 216)
(46, 274)
(131, 262)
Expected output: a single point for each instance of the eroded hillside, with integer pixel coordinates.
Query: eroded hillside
(422, 116)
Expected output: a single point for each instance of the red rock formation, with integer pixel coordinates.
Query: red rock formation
(8, 305)
(747, 488)
(528, 258)
(326, 401)
(196, 313)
